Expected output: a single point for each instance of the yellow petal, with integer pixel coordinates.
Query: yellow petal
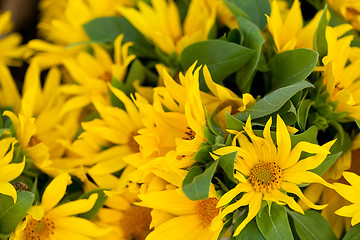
(230, 195)
(8, 189)
(36, 212)
(55, 191)
(80, 226)
(283, 142)
(11, 171)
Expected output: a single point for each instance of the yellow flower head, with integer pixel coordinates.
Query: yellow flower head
(350, 193)
(10, 51)
(266, 171)
(339, 76)
(286, 27)
(161, 23)
(9, 171)
(349, 9)
(9, 94)
(49, 221)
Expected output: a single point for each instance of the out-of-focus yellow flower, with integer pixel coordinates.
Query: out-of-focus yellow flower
(10, 50)
(223, 13)
(349, 9)
(265, 171)
(92, 73)
(339, 76)
(161, 23)
(9, 94)
(286, 27)
(49, 221)
(9, 171)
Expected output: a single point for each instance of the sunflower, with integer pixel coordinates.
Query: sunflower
(265, 171)
(9, 171)
(161, 23)
(49, 221)
(349, 10)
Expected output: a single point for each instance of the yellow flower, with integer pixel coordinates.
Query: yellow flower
(350, 193)
(93, 73)
(49, 221)
(10, 50)
(339, 76)
(9, 94)
(265, 171)
(349, 9)
(9, 171)
(171, 209)
(287, 28)
(161, 23)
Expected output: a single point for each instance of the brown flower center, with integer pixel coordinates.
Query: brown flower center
(207, 211)
(190, 134)
(265, 176)
(134, 146)
(136, 223)
(42, 229)
(107, 76)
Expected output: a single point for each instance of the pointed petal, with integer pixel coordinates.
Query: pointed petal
(8, 189)
(55, 191)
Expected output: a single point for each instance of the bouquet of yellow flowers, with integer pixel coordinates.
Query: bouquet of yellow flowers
(182, 120)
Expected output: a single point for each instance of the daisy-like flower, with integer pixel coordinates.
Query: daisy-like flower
(49, 221)
(266, 171)
(10, 50)
(287, 28)
(172, 209)
(349, 9)
(350, 193)
(9, 171)
(161, 23)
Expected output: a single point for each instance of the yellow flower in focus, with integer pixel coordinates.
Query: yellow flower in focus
(49, 221)
(197, 219)
(93, 73)
(341, 78)
(10, 50)
(265, 171)
(161, 23)
(9, 171)
(350, 193)
(349, 9)
(286, 27)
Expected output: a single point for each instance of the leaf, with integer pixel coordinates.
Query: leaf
(233, 123)
(274, 224)
(196, 184)
(320, 43)
(326, 164)
(106, 29)
(11, 214)
(226, 162)
(98, 204)
(356, 121)
(250, 231)
(273, 101)
(353, 233)
(310, 135)
(303, 113)
(254, 9)
(292, 66)
(221, 57)
(311, 226)
(253, 39)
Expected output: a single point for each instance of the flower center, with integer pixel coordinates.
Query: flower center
(136, 223)
(134, 146)
(190, 134)
(206, 210)
(107, 76)
(41, 229)
(265, 176)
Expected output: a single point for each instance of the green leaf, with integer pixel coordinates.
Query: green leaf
(311, 226)
(326, 164)
(320, 43)
(203, 154)
(253, 39)
(254, 9)
(310, 135)
(11, 214)
(274, 224)
(107, 29)
(98, 204)
(273, 101)
(250, 231)
(196, 184)
(226, 162)
(353, 233)
(292, 66)
(221, 57)
(357, 123)
(233, 123)
(303, 113)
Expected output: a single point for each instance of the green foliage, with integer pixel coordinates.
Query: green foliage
(311, 226)
(11, 214)
(98, 204)
(320, 44)
(226, 162)
(274, 224)
(250, 231)
(353, 233)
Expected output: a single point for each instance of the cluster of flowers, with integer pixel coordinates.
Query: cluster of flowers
(195, 120)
